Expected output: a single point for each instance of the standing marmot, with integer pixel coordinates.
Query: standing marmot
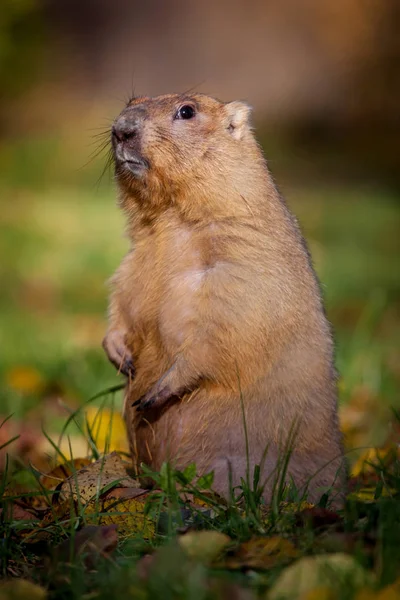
(216, 306)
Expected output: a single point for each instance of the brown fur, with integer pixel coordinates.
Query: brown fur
(217, 304)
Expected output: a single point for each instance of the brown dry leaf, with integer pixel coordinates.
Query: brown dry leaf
(57, 512)
(124, 508)
(92, 479)
(341, 541)
(317, 517)
(14, 512)
(204, 546)
(261, 553)
(40, 503)
(61, 472)
(26, 497)
(208, 500)
(91, 541)
(20, 589)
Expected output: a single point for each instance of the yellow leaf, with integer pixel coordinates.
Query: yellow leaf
(20, 589)
(126, 511)
(367, 495)
(108, 429)
(320, 593)
(24, 379)
(335, 571)
(366, 594)
(295, 507)
(204, 546)
(374, 457)
(391, 592)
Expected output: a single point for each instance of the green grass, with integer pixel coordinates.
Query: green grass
(368, 530)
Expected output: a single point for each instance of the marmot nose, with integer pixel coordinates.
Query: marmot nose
(125, 128)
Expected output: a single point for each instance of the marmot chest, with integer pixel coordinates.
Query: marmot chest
(169, 283)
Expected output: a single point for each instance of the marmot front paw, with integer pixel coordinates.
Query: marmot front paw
(118, 353)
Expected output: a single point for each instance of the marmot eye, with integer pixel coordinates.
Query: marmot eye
(185, 112)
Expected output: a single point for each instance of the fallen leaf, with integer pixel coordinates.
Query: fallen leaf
(335, 571)
(375, 458)
(367, 495)
(14, 512)
(261, 553)
(366, 594)
(341, 541)
(91, 480)
(127, 511)
(61, 472)
(317, 517)
(390, 592)
(320, 593)
(108, 429)
(21, 589)
(204, 546)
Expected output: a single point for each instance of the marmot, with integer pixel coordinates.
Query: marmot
(216, 311)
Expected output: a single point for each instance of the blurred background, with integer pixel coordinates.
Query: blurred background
(324, 81)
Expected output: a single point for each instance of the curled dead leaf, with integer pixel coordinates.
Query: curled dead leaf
(14, 512)
(87, 483)
(261, 553)
(61, 472)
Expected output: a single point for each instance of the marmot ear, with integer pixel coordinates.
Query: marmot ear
(238, 118)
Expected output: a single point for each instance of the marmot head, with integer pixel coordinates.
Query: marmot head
(174, 141)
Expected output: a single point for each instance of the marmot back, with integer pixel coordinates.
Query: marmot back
(216, 304)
